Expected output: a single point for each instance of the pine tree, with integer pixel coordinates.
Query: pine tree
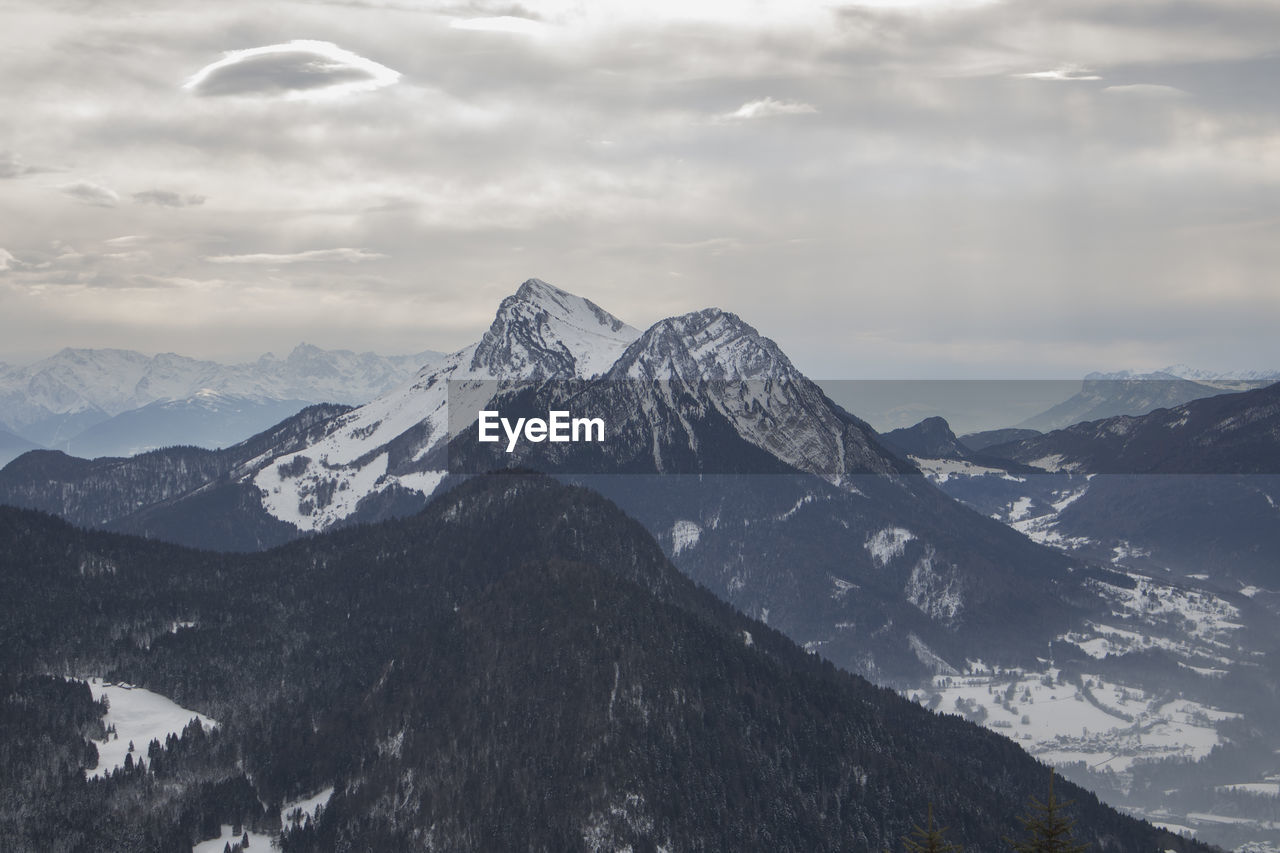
(1046, 827)
(929, 839)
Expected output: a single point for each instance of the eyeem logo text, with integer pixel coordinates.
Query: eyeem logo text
(557, 427)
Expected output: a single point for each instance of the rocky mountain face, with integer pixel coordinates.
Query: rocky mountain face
(518, 666)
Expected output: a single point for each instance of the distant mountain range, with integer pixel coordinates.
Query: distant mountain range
(110, 402)
(1194, 488)
(1105, 395)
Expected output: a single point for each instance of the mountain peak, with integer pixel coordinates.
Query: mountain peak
(564, 305)
(706, 344)
(543, 332)
(931, 438)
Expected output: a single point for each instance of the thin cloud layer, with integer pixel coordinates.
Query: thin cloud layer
(768, 108)
(1146, 90)
(296, 69)
(12, 166)
(168, 198)
(315, 256)
(502, 24)
(1063, 72)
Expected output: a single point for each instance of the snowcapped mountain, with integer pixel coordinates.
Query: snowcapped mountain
(1215, 377)
(542, 332)
(53, 401)
(880, 568)
(748, 381)
(383, 449)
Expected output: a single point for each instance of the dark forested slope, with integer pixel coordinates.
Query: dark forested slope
(518, 667)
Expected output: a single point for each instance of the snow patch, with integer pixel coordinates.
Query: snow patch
(842, 587)
(1053, 463)
(935, 594)
(886, 544)
(1019, 509)
(941, 470)
(684, 535)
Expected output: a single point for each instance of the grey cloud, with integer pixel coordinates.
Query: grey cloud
(997, 207)
(90, 193)
(273, 74)
(168, 198)
(11, 166)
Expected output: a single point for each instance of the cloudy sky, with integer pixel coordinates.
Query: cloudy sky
(902, 188)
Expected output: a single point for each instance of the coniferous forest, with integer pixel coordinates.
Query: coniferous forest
(518, 667)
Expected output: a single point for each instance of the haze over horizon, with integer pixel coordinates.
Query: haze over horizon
(889, 190)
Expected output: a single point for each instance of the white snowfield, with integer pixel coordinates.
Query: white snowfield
(1058, 722)
(941, 470)
(139, 716)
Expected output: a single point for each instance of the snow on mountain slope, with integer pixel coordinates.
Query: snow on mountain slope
(538, 333)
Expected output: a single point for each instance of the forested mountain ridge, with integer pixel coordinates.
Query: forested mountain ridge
(520, 650)
(191, 494)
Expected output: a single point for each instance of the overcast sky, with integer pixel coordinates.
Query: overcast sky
(1016, 188)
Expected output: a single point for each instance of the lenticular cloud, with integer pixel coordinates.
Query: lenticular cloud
(296, 69)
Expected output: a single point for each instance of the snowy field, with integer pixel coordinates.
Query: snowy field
(1104, 725)
(139, 716)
